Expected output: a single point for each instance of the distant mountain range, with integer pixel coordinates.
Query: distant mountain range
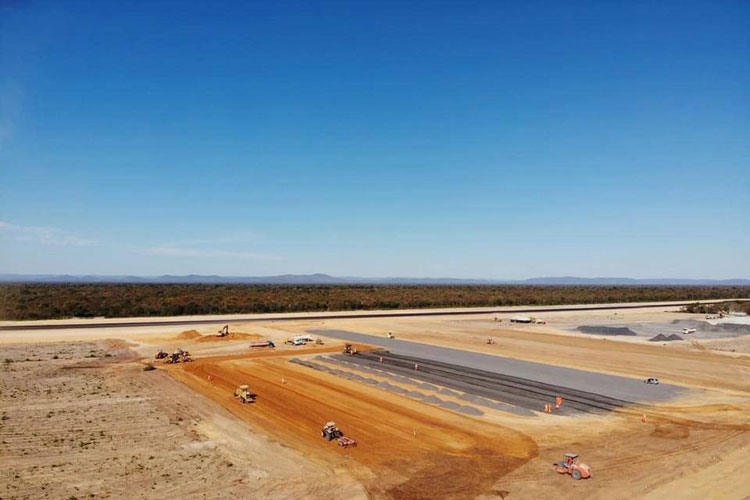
(324, 279)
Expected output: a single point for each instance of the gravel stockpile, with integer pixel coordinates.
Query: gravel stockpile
(606, 330)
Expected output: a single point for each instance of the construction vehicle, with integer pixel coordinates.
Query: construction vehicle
(161, 355)
(390, 335)
(179, 356)
(299, 340)
(651, 381)
(571, 465)
(346, 442)
(331, 432)
(490, 341)
(224, 332)
(688, 331)
(244, 394)
(319, 342)
(263, 343)
(350, 350)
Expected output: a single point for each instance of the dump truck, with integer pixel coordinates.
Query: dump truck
(350, 350)
(571, 465)
(263, 343)
(161, 355)
(244, 394)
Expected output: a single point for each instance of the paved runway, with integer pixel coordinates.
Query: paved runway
(626, 389)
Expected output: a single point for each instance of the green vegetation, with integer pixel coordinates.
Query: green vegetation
(49, 301)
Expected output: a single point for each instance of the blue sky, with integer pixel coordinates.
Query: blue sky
(463, 139)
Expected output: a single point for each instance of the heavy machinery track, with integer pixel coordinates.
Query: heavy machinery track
(517, 391)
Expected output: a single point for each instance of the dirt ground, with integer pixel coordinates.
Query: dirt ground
(81, 418)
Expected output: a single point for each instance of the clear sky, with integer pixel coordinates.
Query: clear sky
(464, 139)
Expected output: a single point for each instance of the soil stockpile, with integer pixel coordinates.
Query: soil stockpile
(189, 335)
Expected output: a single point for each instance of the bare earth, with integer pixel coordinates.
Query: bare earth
(80, 418)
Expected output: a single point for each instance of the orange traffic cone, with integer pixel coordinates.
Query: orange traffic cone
(643, 419)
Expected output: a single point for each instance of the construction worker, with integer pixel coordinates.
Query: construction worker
(416, 366)
(558, 402)
(380, 359)
(643, 419)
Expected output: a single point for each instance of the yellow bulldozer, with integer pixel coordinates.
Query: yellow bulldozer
(244, 394)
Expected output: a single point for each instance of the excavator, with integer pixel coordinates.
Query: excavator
(224, 332)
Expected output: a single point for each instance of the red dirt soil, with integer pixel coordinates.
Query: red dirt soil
(421, 451)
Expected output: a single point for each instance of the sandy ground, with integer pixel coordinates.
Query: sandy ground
(81, 418)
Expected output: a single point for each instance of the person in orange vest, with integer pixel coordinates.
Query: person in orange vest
(558, 402)
(643, 419)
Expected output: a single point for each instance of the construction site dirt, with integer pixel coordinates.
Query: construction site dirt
(404, 451)
(476, 419)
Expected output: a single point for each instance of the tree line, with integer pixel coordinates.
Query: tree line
(52, 301)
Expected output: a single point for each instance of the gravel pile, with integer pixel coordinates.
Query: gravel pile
(664, 338)
(606, 330)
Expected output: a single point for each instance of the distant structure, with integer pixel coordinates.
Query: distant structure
(520, 319)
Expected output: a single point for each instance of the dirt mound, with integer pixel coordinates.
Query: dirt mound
(189, 335)
(606, 330)
(231, 336)
(663, 338)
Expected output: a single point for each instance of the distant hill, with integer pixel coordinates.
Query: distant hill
(324, 279)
